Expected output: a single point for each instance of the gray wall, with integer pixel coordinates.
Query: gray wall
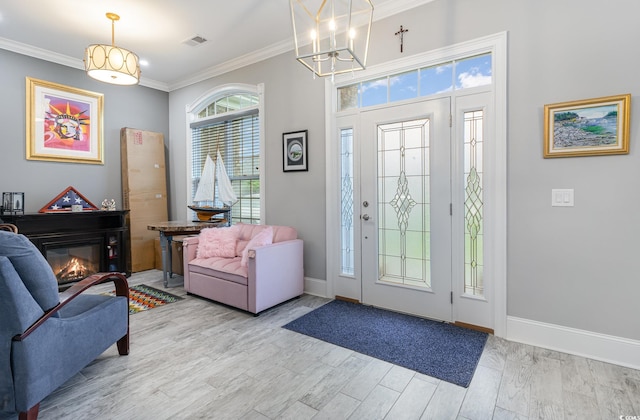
(568, 266)
(124, 106)
(572, 266)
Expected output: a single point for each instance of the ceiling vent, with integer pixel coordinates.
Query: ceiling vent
(194, 41)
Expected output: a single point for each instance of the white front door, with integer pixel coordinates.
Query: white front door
(404, 208)
(416, 197)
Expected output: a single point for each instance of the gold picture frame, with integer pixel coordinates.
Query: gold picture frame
(588, 127)
(64, 124)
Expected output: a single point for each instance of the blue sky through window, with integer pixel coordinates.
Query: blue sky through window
(465, 73)
(474, 71)
(403, 86)
(436, 79)
(374, 92)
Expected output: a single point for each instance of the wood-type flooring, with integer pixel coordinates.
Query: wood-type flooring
(195, 359)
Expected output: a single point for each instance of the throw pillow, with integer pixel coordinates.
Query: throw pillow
(217, 242)
(240, 246)
(262, 238)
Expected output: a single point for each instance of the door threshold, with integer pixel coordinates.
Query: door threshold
(473, 327)
(346, 299)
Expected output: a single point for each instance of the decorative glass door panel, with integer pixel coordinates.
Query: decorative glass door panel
(347, 245)
(473, 232)
(403, 206)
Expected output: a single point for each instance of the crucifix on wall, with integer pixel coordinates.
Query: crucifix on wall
(401, 32)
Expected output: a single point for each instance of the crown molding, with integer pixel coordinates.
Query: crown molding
(383, 11)
(42, 54)
(65, 60)
(235, 64)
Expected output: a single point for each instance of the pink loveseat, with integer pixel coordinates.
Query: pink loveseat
(273, 273)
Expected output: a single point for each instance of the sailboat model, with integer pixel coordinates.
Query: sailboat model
(212, 174)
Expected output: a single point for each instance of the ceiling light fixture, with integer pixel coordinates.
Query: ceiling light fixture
(331, 36)
(112, 64)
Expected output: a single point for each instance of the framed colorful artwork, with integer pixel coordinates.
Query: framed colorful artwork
(64, 124)
(588, 127)
(294, 146)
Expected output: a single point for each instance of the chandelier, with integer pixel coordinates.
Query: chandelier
(331, 36)
(112, 64)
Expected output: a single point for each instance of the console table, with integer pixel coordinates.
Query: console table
(167, 231)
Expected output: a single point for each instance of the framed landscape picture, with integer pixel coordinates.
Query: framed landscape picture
(64, 124)
(294, 146)
(588, 127)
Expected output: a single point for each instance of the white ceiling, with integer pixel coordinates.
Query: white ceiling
(239, 32)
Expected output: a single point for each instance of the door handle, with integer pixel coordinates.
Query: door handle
(365, 217)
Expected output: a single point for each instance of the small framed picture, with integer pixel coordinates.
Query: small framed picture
(294, 147)
(13, 202)
(587, 127)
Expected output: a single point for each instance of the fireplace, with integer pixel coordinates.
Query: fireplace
(74, 261)
(78, 244)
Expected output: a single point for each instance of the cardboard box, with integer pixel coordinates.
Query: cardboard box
(144, 191)
(176, 263)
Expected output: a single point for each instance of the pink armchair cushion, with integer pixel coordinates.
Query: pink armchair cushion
(262, 238)
(217, 242)
(241, 244)
(245, 233)
(248, 231)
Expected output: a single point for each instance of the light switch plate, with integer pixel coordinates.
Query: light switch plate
(562, 197)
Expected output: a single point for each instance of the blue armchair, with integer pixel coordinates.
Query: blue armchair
(46, 337)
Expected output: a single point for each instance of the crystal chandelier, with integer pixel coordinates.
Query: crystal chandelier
(112, 64)
(331, 36)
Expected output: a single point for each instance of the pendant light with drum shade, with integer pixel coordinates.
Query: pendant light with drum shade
(111, 64)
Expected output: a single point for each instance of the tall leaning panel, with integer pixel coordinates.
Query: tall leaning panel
(144, 190)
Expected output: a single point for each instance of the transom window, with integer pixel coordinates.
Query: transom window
(229, 104)
(444, 77)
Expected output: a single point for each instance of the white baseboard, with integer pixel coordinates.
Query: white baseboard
(606, 348)
(316, 287)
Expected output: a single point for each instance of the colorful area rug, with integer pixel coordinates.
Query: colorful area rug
(143, 297)
(437, 349)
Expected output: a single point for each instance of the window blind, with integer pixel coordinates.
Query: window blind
(238, 140)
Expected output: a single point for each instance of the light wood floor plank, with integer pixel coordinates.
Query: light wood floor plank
(376, 405)
(578, 406)
(613, 402)
(340, 407)
(398, 378)
(363, 383)
(515, 388)
(412, 401)
(480, 399)
(328, 387)
(445, 402)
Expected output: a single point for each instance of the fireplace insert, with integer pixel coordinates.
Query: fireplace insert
(74, 261)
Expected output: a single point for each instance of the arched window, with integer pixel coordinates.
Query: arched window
(227, 121)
